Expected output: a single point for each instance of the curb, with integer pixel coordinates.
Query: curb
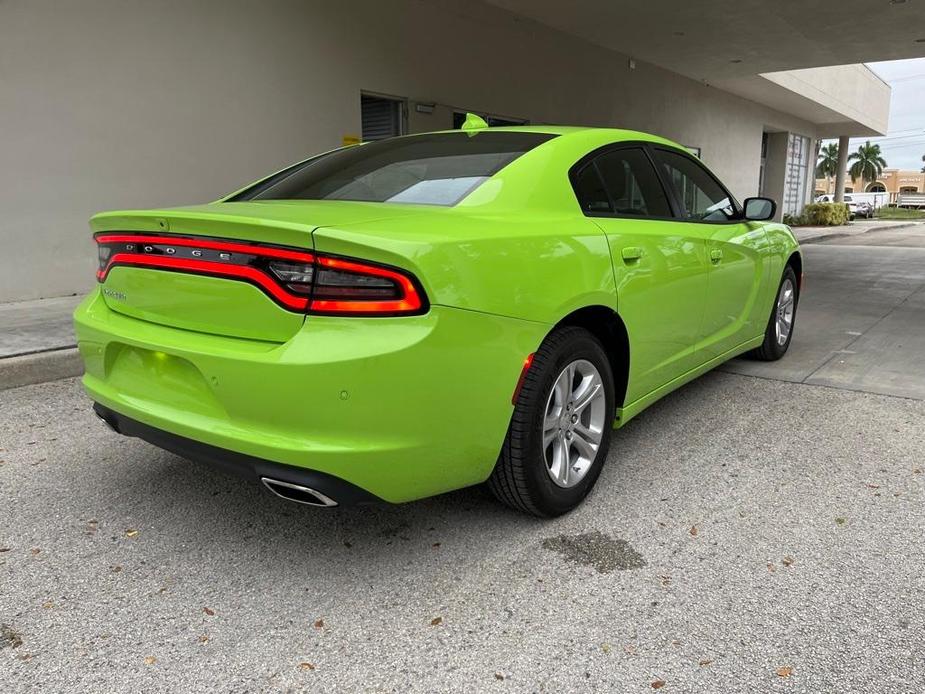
(822, 237)
(40, 367)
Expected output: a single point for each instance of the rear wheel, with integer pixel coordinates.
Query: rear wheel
(779, 331)
(560, 430)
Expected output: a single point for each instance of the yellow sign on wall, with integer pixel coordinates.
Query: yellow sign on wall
(351, 140)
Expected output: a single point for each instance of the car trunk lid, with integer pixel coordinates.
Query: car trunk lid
(204, 268)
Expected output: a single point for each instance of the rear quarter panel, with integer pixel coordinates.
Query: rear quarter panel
(532, 267)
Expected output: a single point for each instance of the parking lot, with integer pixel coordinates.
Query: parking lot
(758, 530)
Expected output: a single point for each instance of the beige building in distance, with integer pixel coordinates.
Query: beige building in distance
(893, 181)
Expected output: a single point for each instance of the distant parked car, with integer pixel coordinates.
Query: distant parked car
(849, 201)
(865, 210)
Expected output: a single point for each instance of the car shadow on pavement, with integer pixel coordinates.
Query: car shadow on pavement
(208, 512)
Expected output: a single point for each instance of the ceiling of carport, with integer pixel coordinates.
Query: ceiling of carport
(710, 40)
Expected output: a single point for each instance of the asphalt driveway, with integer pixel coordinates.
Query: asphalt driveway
(758, 530)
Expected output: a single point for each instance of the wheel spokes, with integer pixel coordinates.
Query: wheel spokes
(573, 422)
(588, 395)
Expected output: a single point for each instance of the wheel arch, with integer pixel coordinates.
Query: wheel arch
(608, 327)
(796, 262)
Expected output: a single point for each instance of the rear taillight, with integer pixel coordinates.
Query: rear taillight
(297, 280)
(342, 286)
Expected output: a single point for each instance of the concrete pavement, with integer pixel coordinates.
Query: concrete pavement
(37, 341)
(858, 227)
(861, 321)
(37, 326)
(740, 526)
(747, 534)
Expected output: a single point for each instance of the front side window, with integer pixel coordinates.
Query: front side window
(702, 197)
(433, 169)
(621, 182)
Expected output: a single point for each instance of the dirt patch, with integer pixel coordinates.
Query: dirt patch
(9, 637)
(595, 549)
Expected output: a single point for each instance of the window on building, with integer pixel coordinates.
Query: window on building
(876, 188)
(909, 189)
(763, 164)
(431, 169)
(795, 174)
(702, 196)
(382, 117)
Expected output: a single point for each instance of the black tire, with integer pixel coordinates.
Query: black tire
(771, 349)
(521, 477)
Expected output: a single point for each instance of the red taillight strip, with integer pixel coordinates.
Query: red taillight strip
(246, 248)
(409, 303)
(205, 267)
(412, 300)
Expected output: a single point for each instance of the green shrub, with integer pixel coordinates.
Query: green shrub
(798, 220)
(825, 214)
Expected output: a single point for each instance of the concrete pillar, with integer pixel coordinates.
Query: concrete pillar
(842, 168)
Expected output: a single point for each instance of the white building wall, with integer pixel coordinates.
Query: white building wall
(114, 104)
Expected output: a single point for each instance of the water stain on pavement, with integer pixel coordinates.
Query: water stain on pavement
(595, 549)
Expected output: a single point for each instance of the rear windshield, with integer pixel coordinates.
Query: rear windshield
(434, 169)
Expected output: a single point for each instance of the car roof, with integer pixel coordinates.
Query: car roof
(598, 133)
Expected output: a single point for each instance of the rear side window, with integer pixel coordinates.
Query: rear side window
(590, 190)
(701, 195)
(433, 169)
(624, 182)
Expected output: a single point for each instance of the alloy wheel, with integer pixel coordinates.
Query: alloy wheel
(573, 423)
(785, 307)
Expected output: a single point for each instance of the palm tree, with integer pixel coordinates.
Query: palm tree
(923, 159)
(828, 161)
(868, 164)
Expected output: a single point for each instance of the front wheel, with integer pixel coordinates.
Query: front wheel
(560, 430)
(779, 331)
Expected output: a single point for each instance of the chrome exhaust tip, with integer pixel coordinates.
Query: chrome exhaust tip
(297, 493)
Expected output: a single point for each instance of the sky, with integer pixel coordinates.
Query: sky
(904, 143)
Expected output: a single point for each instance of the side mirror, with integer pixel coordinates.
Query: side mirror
(759, 209)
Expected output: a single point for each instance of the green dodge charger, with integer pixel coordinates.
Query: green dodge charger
(397, 319)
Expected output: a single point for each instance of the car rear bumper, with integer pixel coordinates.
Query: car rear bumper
(340, 492)
(400, 408)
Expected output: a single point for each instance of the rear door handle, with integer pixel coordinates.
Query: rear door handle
(632, 253)
(716, 255)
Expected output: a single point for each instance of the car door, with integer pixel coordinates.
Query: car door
(660, 264)
(737, 252)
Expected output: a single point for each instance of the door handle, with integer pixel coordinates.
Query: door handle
(716, 255)
(631, 253)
